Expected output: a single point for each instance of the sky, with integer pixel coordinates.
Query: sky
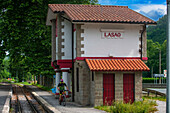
(154, 9)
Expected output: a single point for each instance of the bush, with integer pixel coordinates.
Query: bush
(146, 106)
(5, 80)
(150, 80)
(43, 87)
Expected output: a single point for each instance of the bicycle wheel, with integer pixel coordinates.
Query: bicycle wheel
(59, 101)
(64, 100)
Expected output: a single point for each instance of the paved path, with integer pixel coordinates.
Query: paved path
(161, 90)
(161, 106)
(70, 106)
(4, 91)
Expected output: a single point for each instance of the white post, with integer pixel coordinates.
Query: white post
(69, 81)
(57, 81)
(168, 60)
(65, 79)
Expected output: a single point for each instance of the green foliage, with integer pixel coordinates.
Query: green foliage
(156, 41)
(158, 33)
(5, 80)
(162, 98)
(22, 83)
(43, 87)
(153, 50)
(4, 68)
(150, 80)
(137, 107)
(24, 34)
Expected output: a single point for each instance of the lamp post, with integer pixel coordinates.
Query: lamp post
(168, 60)
(159, 64)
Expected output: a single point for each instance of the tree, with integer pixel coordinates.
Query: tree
(158, 33)
(26, 37)
(4, 72)
(153, 57)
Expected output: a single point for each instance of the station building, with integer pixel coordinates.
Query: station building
(100, 51)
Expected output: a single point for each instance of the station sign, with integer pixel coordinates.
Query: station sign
(158, 75)
(112, 34)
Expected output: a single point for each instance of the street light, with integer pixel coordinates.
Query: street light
(168, 60)
(159, 64)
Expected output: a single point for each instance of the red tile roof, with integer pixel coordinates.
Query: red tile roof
(116, 65)
(100, 13)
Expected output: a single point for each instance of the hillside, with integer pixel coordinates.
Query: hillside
(158, 33)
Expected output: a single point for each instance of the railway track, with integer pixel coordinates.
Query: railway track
(23, 102)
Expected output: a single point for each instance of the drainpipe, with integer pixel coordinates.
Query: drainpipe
(72, 62)
(142, 40)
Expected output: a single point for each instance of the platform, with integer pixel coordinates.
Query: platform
(50, 102)
(5, 93)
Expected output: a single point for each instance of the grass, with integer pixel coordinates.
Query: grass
(161, 98)
(22, 83)
(43, 87)
(5, 80)
(145, 106)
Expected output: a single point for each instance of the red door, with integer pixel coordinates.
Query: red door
(108, 88)
(128, 88)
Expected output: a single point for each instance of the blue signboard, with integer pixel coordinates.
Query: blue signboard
(158, 75)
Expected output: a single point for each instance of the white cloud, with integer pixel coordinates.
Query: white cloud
(147, 8)
(153, 11)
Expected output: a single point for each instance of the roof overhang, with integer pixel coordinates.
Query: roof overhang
(50, 16)
(116, 65)
(119, 22)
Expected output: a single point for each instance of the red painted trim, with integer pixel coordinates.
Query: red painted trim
(119, 70)
(145, 58)
(52, 65)
(65, 63)
(65, 70)
(56, 93)
(58, 71)
(67, 96)
(83, 58)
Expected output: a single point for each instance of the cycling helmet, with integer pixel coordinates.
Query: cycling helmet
(61, 80)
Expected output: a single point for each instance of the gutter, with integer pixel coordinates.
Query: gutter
(131, 22)
(72, 62)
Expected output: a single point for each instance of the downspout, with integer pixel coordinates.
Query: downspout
(142, 40)
(72, 62)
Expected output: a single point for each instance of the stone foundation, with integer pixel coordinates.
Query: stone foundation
(91, 91)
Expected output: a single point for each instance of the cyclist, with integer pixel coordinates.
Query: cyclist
(61, 86)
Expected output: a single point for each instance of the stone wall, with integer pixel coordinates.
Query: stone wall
(82, 96)
(98, 79)
(91, 92)
(98, 97)
(92, 89)
(144, 42)
(60, 34)
(138, 86)
(79, 38)
(118, 86)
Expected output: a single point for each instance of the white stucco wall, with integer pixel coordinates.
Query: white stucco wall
(67, 40)
(56, 48)
(75, 44)
(96, 46)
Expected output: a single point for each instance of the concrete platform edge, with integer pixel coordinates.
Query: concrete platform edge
(6, 107)
(45, 104)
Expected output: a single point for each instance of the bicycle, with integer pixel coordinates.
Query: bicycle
(63, 98)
